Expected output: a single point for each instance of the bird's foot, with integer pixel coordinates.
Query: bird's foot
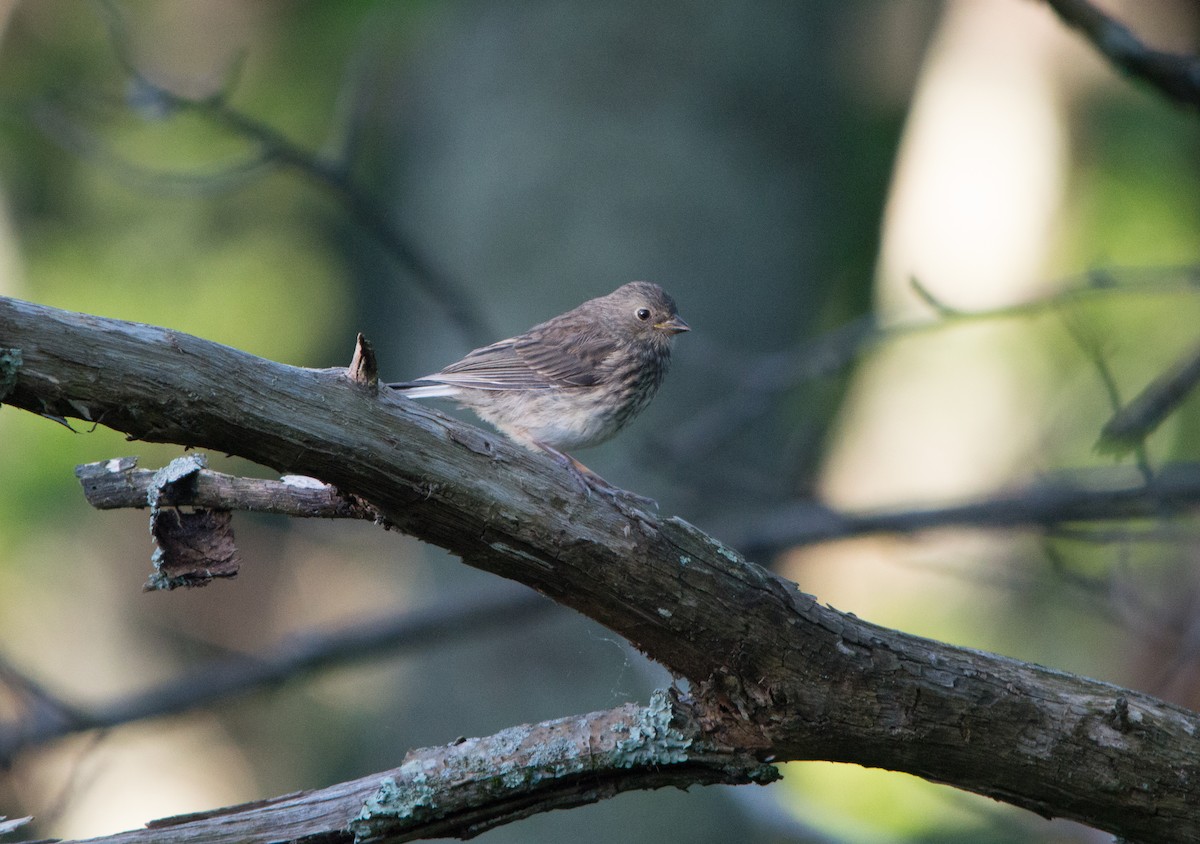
(624, 500)
(620, 497)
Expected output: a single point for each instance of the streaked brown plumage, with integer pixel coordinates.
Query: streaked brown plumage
(573, 381)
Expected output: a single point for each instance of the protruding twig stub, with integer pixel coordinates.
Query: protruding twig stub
(363, 368)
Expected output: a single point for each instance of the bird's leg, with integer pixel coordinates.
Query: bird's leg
(585, 477)
(589, 480)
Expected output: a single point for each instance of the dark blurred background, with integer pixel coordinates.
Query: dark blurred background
(785, 170)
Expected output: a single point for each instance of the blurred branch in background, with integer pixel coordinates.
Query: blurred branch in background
(1131, 424)
(45, 717)
(1094, 347)
(271, 150)
(1176, 76)
(757, 386)
(1089, 496)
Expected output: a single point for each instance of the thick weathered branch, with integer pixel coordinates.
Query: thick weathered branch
(772, 672)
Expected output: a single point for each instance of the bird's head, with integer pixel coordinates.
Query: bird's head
(645, 311)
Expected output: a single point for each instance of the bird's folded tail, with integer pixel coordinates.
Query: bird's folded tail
(424, 389)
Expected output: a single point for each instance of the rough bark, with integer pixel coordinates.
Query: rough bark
(771, 672)
(473, 785)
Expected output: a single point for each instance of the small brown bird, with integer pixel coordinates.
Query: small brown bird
(570, 382)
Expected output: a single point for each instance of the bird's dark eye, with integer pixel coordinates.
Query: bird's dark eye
(642, 313)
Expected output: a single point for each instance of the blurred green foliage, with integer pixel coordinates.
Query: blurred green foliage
(103, 225)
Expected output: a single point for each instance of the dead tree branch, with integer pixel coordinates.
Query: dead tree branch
(118, 484)
(771, 673)
(466, 788)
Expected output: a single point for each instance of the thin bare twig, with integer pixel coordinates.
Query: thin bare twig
(1078, 497)
(119, 484)
(1093, 347)
(1131, 424)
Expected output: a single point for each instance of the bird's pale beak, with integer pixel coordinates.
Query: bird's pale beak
(674, 325)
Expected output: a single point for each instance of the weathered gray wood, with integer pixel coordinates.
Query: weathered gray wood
(473, 785)
(771, 671)
(118, 483)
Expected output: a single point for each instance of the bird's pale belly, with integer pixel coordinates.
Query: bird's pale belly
(564, 419)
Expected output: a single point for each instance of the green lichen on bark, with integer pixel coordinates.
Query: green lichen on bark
(412, 799)
(10, 362)
(523, 761)
(653, 740)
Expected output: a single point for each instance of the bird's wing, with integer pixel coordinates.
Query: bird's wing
(494, 367)
(566, 358)
(537, 360)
